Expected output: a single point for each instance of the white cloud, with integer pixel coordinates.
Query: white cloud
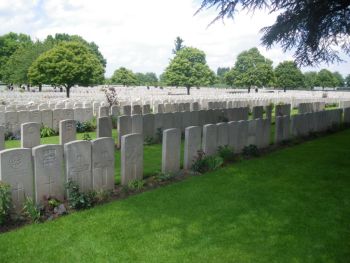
(140, 34)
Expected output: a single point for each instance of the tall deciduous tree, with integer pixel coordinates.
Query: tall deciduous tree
(325, 78)
(251, 69)
(124, 77)
(339, 79)
(67, 64)
(289, 76)
(312, 28)
(347, 81)
(178, 45)
(9, 43)
(189, 69)
(310, 79)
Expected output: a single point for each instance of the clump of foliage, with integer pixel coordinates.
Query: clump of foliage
(226, 153)
(86, 126)
(136, 185)
(251, 151)
(161, 177)
(5, 202)
(87, 137)
(47, 132)
(203, 163)
(9, 136)
(149, 140)
(102, 196)
(31, 210)
(76, 199)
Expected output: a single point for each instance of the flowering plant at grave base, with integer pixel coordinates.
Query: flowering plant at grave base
(5, 201)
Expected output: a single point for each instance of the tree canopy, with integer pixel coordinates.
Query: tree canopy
(347, 81)
(178, 45)
(288, 76)
(67, 64)
(9, 43)
(124, 77)
(312, 28)
(251, 69)
(340, 82)
(310, 79)
(189, 69)
(325, 78)
(147, 79)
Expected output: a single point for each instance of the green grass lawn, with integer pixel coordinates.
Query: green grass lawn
(292, 205)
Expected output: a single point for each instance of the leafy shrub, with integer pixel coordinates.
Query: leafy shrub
(47, 132)
(87, 137)
(226, 153)
(5, 202)
(76, 199)
(161, 177)
(86, 126)
(136, 185)
(53, 203)
(102, 196)
(31, 210)
(204, 163)
(9, 136)
(149, 140)
(250, 151)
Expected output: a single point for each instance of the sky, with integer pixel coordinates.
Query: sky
(140, 34)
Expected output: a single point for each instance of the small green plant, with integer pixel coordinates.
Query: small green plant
(226, 153)
(5, 202)
(149, 140)
(102, 196)
(86, 137)
(53, 203)
(31, 210)
(251, 151)
(76, 199)
(86, 126)
(161, 177)
(135, 185)
(47, 132)
(203, 163)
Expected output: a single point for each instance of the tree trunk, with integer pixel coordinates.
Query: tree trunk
(61, 89)
(40, 87)
(188, 90)
(284, 89)
(248, 89)
(68, 90)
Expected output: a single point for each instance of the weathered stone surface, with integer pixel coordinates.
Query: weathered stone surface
(347, 115)
(2, 138)
(136, 110)
(16, 169)
(115, 111)
(46, 118)
(282, 129)
(268, 112)
(242, 135)
(104, 127)
(136, 124)
(124, 127)
(67, 131)
(30, 134)
(266, 126)
(77, 156)
(23, 116)
(209, 142)
(258, 112)
(193, 143)
(67, 114)
(103, 111)
(222, 134)
(171, 146)
(148, 126)
(48, 172)
(79, 114)
(158, 125)
(168, 121)
(252, 127)
(146, 109)
(11, 121)
(103, 164)
(186, 120)
(233, 129)
(35, 116)
(195, 106)
(131, 158)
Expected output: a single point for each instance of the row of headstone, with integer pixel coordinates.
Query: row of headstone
(41, 172)
(12, 120)
(311, 107)
(151, 125)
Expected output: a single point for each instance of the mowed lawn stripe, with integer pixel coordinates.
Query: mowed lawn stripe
(292, 205)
